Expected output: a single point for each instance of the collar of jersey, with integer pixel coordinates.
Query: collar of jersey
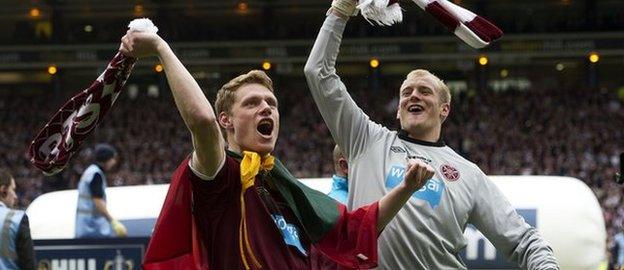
(404, 136)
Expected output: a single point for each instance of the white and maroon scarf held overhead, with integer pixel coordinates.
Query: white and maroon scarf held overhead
(72, 124)
(473, 29)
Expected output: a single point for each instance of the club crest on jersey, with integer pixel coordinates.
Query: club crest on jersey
(450, 173)
(431, 192)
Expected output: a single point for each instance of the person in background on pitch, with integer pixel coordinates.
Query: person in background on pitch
(340, 184)
(17, 247)
(618, 240)
(92, 217)
(428, 231)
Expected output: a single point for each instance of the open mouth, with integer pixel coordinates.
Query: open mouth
(265, 127)
(415, 108)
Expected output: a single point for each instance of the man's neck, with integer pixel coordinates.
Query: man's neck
(101, 166)
(432, 135)
(238, 150)
(234, 148)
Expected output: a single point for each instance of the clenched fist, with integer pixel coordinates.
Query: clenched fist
(141, 44)
(417, 174)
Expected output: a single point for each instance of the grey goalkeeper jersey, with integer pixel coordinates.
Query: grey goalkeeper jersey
(428, 232)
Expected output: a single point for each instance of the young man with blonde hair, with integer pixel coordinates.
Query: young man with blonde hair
(240, 208)
(428, 232)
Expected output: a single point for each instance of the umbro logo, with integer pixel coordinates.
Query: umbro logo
(424, 159)
(397, 149)
(401, 150)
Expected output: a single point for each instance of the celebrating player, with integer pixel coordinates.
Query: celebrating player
(248, 211)
(428, 232)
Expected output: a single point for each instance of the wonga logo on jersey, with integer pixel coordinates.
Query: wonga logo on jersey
(430, 192)
(289, 232)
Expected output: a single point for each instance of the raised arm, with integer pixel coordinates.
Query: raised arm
(196, 111)
(500, 223)
(349, 125)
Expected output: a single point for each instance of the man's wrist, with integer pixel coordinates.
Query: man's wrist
(338, 14)
(344, 8)
(162, 48)
(404, 187)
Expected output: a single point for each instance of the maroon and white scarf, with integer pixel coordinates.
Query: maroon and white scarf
(473, 29)
(62, 136)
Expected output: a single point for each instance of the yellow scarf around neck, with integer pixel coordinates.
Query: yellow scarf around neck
(250, 166)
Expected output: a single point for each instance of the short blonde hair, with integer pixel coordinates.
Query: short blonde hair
(445, 96)
(226, 96)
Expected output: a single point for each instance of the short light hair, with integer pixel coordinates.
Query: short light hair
(445, 92)
(226, 96)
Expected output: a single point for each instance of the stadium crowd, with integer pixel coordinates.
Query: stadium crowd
(565, 131)
(268, 22)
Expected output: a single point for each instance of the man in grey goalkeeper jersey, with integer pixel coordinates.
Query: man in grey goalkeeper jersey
(428, 232)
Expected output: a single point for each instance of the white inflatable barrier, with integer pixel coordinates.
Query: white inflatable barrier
(563, 209)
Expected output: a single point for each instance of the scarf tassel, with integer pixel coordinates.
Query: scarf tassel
(381, 12)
